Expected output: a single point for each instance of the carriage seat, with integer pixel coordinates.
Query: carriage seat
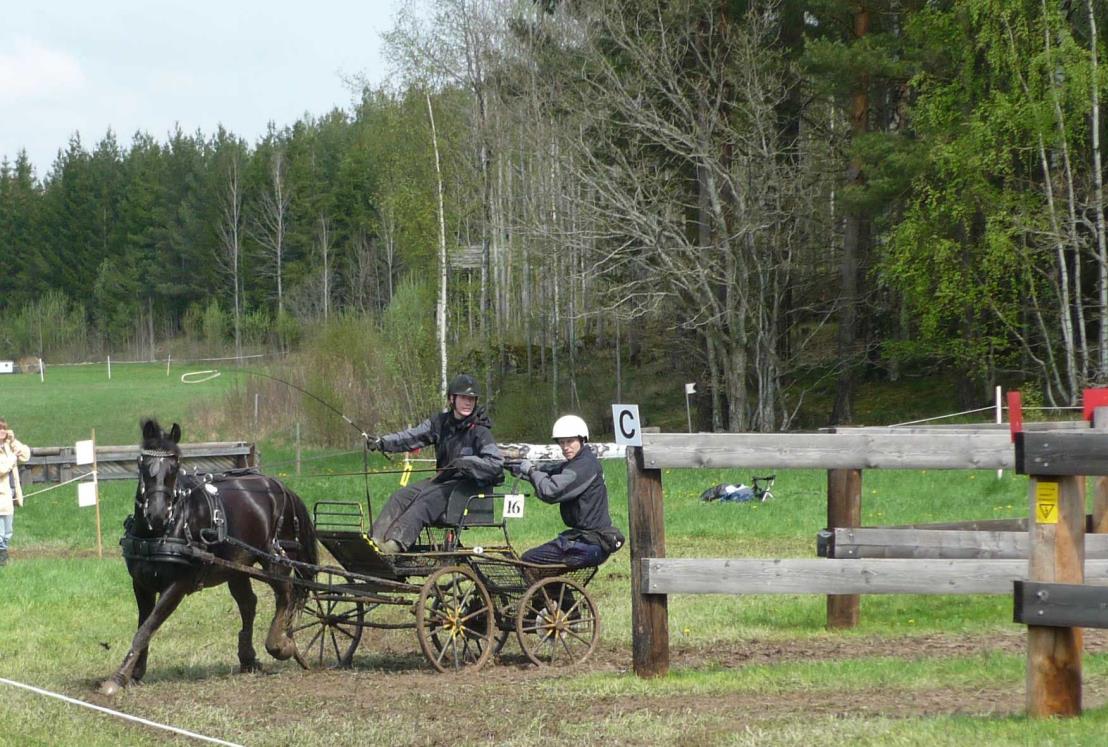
(468, 506)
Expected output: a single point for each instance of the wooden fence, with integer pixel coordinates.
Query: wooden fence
(947, 568)
(59, 463)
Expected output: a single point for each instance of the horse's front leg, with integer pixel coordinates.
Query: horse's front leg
(247, 601)
(145, 599)
(279, 641)
(164, 607)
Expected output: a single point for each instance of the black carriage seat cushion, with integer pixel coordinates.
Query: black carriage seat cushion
(480, 511)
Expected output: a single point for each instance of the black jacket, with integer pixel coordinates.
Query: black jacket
(577, 486)
(463, 448)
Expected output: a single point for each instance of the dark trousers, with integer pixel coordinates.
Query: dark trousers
(567, 552)
(410, 509)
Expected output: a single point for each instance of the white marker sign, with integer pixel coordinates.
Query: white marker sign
(84, 452)
(626, 421)
(86, 494)
(513, 506)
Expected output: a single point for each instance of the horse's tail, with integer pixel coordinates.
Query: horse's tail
(307, 538)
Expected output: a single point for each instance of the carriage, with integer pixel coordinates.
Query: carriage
(190, 532)
(467, 601)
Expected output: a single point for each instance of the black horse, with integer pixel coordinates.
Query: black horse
(177, 514)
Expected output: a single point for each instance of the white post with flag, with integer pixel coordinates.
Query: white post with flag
(690, 388)
(88, 493)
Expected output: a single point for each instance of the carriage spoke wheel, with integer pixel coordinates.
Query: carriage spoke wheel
(329, 628)
(455, 620)
(557, 623)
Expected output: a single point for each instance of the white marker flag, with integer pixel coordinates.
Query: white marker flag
(690, 388)
(84, 452)
(86, 494)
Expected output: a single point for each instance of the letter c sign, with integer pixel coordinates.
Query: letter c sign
(626, 421)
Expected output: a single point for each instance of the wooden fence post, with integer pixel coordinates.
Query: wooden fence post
(1057, 528)
(844, 509)
(646, 530)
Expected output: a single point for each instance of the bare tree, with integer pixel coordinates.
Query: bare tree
(679, 119)
(229, 256)
(270, 225)
(323, 244)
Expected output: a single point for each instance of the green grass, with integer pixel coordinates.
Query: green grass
(75, 399)
(68, 619)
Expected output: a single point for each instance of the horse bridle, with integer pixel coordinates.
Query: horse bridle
(171, 499)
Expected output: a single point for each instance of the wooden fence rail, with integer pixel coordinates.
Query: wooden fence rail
(59, 463)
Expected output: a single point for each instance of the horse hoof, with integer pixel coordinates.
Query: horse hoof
(250, 667)
(109, 688)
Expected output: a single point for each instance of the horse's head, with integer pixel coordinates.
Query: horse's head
(159, 465)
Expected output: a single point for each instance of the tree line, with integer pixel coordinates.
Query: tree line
(782, 193)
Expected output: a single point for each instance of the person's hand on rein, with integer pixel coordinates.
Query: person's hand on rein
(521, 468)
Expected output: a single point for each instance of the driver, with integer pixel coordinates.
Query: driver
(466, 456)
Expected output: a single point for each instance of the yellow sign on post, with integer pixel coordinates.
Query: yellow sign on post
(1046, 503)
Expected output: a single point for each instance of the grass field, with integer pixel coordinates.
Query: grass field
(745, 670)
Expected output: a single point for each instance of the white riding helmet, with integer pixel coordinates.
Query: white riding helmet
(570, 426)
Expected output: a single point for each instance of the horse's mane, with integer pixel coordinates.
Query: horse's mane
(155, 439)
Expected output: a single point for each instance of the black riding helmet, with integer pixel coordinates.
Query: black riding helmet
(464, 384)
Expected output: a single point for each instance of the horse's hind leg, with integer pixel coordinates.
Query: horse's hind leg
(164, 607)
(247, 601)
(279, 643)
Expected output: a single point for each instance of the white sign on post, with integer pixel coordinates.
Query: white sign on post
(84, 452)
(513, 506)
(626, 420)
(86, 494)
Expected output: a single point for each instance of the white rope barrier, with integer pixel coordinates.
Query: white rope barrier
(175, 360)
(118, 714)
(943, 417)
(981, 409)
(189, 378)
(60, 484)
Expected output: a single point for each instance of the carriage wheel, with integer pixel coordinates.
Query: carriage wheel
(455, 620)
(557, 624)
(330, 625)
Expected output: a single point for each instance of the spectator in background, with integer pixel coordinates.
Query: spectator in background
(12, 452)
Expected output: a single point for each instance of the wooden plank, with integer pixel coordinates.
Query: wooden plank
(976, 525)
(820, 576)
(1062, 453)
(58, 463)
(829, 450)
(1060, 605)
(1057, 555)
(1045, 425)
(844, 509)
(647, 535)
(883, 542)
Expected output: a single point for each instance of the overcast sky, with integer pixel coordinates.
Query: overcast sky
(88, 65)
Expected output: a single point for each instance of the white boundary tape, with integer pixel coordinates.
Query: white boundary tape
(60, 484)
(211, 373)
(117, 714)
(175, 360)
